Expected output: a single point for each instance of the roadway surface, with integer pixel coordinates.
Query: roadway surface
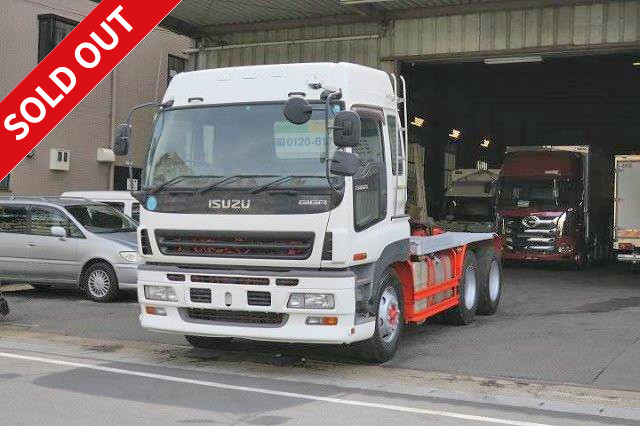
(563, 349)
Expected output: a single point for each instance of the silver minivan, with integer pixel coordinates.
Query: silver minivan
(59, 241)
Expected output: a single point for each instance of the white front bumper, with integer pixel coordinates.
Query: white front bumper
(293, 327)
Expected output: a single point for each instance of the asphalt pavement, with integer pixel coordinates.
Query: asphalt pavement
(554, 325)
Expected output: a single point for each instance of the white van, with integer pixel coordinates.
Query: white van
(120, 200)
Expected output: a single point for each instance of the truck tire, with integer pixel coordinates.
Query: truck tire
(207, 342)
(468, 290)
(491, 282)
(389, 321)
(100, 282)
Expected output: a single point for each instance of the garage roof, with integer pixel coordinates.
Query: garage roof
(197, 18)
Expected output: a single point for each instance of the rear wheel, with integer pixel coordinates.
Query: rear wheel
(207, 342)
(389, 321)
(491, 280)
(464, 312)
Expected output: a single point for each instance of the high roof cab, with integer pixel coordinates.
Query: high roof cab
(264, 83)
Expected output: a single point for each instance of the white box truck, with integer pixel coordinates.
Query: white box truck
(626, 205)
(274, 209)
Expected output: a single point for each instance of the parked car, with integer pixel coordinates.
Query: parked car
(59, 241)
(120, 200)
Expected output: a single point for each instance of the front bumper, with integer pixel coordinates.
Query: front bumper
(542, 257)
(628, 257)
(233, 298)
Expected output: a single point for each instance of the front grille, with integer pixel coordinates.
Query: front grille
(258, 298)
(200, 295)
(256, 245)
(212, 279)
(236, 317)
(540, 238)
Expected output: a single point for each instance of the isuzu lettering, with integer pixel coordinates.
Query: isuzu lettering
(274, 209)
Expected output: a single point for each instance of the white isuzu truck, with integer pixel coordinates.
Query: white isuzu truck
(274, 209)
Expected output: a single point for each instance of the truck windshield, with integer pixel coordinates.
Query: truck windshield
(537, 193)
(233, 146)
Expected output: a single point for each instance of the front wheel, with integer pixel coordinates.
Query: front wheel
(100, 282)
(389, 321)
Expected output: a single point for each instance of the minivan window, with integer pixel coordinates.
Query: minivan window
(44, 218)
(117, 206)
(13, 219)
(101, 219)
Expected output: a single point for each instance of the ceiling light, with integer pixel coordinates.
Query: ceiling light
(512, 60)
(636, 64)
(485, 143)
(455, 134)
(417, 121)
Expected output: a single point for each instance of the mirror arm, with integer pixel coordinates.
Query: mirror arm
(128, 138)
(327, 108)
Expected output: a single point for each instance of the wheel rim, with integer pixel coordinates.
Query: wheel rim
(389, 314)
(98, 283)
(494, 281)
(470, 287)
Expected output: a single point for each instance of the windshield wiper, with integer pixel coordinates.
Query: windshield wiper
(177, 179)
(281, 180)
(230, 178)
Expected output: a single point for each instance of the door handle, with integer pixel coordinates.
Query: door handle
(31, 244)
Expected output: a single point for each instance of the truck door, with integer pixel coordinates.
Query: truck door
(370, 182)
(397, 148)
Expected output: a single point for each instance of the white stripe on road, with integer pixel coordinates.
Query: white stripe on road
(272, 392)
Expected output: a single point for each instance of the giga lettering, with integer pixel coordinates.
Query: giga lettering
(33, 109)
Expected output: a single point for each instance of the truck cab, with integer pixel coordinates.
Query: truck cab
(546, 200)
(469, 201)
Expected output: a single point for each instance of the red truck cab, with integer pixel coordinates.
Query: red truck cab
(542, 205)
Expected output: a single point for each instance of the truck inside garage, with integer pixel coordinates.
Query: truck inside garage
(527, 100)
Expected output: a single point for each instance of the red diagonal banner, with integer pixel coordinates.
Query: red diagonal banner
(86, 56)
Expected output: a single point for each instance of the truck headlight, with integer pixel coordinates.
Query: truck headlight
(159, 292)
(311, 301)
(130, 256)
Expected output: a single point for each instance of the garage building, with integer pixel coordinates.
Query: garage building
(527, 72)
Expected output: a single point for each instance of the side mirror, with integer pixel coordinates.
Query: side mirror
(58, 231)
(344, 163)
(297, 110)
(121, 140)
(346, 129)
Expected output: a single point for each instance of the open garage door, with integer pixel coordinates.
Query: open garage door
(584, 100)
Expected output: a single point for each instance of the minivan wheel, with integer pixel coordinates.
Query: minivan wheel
(100, 282)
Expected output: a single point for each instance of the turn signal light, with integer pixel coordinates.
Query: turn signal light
(360, 256)
(152, 310)
(322, 321)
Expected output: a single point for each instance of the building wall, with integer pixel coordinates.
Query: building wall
(89, 125)
(559, 28)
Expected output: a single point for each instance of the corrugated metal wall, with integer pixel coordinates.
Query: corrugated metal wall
(545, 28)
